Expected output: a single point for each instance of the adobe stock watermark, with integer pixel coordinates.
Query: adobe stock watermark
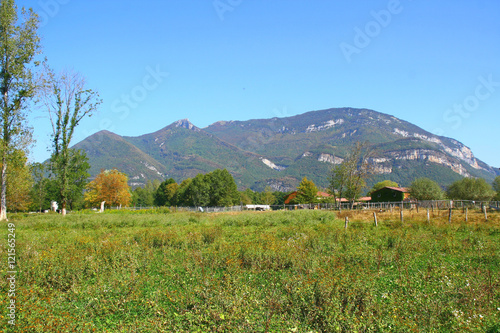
(224, 6)
(461, 111)
(11, 274)
(363, 37)
(50, 8)
(127, 102)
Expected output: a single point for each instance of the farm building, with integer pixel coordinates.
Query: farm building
(391, 194)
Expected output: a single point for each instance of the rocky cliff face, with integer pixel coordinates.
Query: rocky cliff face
(384, 165)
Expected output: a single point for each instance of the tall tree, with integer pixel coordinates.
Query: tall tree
(67, 102)
(19, 44)
(348, 179)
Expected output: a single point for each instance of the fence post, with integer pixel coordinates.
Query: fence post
(449, 215)
(466, 214)
(485, 213)
(375, 218)
(401, 215)
(428, 216)
(346, 222)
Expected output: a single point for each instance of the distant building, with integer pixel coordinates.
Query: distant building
(391, 194)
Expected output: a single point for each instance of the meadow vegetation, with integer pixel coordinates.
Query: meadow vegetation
(284, 271)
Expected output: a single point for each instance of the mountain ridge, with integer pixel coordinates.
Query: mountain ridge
(278, 152)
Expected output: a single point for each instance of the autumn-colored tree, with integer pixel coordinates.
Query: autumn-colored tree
(19, 181)
(110, 186)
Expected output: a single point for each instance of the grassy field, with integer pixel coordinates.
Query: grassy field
(287, 271)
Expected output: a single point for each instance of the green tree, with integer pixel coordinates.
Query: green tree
(307, 192)
(267, 197)
(247, 197)
(216, 188)
(67, 102)
(426, 189)
(382, 184)
(181, 197)
(19, 46)
(280, 197)
(142, 197)
(496, 187)
(348, 179)
(38, 191)
(476, 189)
(223, 189)
(198, 192)
(165, 194)
(76, 180)
(145, 196)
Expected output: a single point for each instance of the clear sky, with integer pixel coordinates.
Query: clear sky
(433, 63)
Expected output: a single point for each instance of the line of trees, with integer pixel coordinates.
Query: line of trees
(216, 188)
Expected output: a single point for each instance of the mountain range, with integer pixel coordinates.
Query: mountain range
(279, 152)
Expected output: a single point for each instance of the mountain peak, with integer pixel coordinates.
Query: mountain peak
(185, 123)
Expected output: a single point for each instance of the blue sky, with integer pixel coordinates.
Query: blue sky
(433, 63)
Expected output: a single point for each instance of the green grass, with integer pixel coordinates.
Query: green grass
(297, 271)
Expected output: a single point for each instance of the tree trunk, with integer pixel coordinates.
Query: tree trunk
(63, 209)
(3, 199)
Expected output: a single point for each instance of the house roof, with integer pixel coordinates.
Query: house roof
(398, 189)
